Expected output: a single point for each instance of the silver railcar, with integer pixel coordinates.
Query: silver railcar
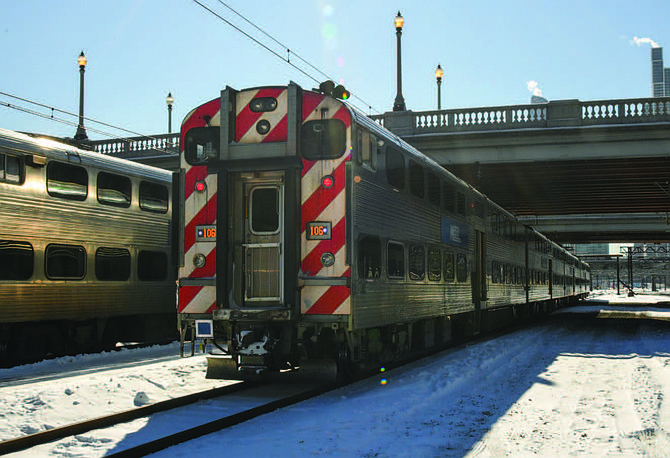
(85, 250)
(313, 237)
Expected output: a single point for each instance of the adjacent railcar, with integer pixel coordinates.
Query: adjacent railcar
(314, 238)
(85, 250)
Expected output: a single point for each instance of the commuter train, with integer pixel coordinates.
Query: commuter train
(313, 238)
(86, 256)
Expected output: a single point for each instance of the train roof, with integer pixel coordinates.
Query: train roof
(387, 135)
(39, 146)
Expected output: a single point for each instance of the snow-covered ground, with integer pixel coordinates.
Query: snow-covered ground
(566, 387)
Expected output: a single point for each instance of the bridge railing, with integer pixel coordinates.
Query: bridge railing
(135, 147)
(560, 113)
(626, 111)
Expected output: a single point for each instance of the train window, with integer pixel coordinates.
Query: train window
(395, 263)
(152, 266)
(461, 268)
(448, 197)
(16, 260)
(375, 146)
(368, 149)
(363, 146)
(480, 207)
(264, 210)
(395, 168)
(369, 257)
(460, 203)
(416, 179)
(153, 197)
(201, 144)
(434, 264)
(495, 272)
(449, 270)
(433, 188)
(11, 169)
(323, 139)
(112, 264)
(65, 262)
(67, 181)
(263, 104)
(114, 190)
(417, 262)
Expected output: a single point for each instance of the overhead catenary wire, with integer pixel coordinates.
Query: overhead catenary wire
(54, 109)
(55, 118)
(288, 51)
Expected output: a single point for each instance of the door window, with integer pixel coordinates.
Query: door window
(264, 211)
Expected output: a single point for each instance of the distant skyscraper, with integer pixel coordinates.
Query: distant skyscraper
(666, 73)
(658, 74)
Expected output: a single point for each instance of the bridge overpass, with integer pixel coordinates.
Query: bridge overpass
(580, 172)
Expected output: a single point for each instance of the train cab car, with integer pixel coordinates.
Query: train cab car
(314, 238)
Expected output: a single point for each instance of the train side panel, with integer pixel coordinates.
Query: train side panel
(86, 247)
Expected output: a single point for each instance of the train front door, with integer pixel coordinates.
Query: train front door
(258, 239)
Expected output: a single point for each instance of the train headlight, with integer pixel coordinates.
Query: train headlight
(263, 127)
(199, 261)
(327, 259)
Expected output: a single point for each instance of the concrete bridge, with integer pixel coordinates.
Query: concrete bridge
(580, 172)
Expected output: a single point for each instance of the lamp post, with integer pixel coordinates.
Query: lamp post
(81, 132)
(438, 75)
(399, 104)
(169, 100)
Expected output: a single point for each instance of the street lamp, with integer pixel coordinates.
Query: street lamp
(169, 100)
(81, 132)
(399, 104)
(439, 73)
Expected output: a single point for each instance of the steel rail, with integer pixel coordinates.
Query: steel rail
(222, 423)
(43, 437)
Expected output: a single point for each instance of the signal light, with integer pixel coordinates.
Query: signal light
(200, 186)
(341, 93)
(338, 92)
(327, 181)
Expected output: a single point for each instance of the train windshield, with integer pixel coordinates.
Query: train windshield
(201, 144)
(323, 139)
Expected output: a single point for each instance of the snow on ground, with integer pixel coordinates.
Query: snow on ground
(565, 387)
(93, 386)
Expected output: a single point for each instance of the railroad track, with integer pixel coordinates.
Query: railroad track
(295, 394)
(299, 391)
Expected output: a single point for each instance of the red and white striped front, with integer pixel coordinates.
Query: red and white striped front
(199, 209)
(321, 203)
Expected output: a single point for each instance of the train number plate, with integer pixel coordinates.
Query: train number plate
(319, 230)
(205, 233)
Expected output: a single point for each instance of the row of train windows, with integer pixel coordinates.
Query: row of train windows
(68, 262)
(423, 184)
(510, 274)
(438, 265)
(68, 181)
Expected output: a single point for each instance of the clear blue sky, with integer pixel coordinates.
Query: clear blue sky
(138, 51)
